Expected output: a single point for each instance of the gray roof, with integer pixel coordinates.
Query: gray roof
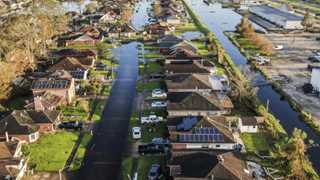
(274, 13)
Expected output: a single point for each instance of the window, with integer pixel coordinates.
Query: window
(218, 145)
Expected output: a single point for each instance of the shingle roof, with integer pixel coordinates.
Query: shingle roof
(186, 68)
(187, 81)
(227, 166)
(68, 64)
(249, 121)
(191, 101)
(8, 149)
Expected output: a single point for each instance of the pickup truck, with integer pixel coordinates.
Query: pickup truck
(151, 119)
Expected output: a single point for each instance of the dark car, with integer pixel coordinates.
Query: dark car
(76, 125)
(151, 149)
(154, 172)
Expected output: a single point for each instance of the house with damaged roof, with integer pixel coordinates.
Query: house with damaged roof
(201, 133)
(188, 67)
(77, 67)
(205, 166)
(12, 166)
(198, 104)
(84, 39)
(25, 125)
(59, 83)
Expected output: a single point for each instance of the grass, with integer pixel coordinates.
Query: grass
(76, 164)
(18, 102)
(51, 151)
(255, 142)
(149, 86)
(145, 163)
(79, 111)
(153, 56)
(106, 90)
(127, 165)
(180, 29)
(98, 111)
(150, 131)
(154, 68)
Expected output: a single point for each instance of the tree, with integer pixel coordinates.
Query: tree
(307, 21)
(126, 13)
(157, 8)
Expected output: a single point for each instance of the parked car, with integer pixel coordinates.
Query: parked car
(154, 172)
(158, 93)
(136, 132)
(315, 58)
(278, 47)
(151, 149)
(75, 125)
(159, 104)
(161, 141)
(261, 60)
(151, 119)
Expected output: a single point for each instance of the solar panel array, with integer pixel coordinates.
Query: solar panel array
(51, 84)
(77, 74)
(187, 123)
(207, 134)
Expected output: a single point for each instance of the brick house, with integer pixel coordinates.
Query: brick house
(197, 104)
(188, 83)
(205, 166)
(85, 39)
(83, 53)
(25, 125)
(201, 133)
(188, 67)
(59, 83)
(166, 42)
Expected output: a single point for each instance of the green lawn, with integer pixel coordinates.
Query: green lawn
(150, 131)
(145, 163)
(76, 164)
(51, 151)
(78, 112)
(149, 86)
(180, 29)
(98, 111)
(255, 142)
(154, 68)
(153, 56)
(127, 165)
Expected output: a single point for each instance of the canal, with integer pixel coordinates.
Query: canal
(104, 153)
(219, 20)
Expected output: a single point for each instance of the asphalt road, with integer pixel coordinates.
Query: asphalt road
(103, 157)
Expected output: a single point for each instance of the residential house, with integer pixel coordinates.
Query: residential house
(85, 39)
(77, 67)
(13, 168)
(45, 101)
(207, 166)
(157, 29)
(167, 42)
(124, 30)
(188, 83)
(183, 50)
(59, 83)
(83, 53)
(26, 125)
(315, 79)
(197, 104)
(249, 124)
(194, 133)
(188, 67)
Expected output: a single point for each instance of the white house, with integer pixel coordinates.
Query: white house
(248, 125)
(315, 79)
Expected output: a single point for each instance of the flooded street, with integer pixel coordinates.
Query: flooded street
(220, 20)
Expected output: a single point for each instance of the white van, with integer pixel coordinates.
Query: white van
(136, 132)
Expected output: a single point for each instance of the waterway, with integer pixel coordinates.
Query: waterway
(219, 20)
(105, 151)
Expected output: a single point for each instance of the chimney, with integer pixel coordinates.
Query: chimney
(7, 136)
(220, 159)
